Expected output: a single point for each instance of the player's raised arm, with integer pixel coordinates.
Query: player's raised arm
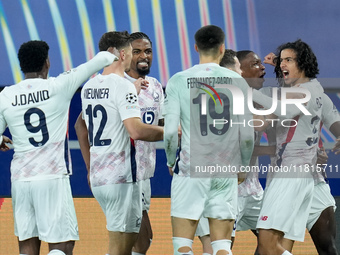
(78, 75)
(171, 119)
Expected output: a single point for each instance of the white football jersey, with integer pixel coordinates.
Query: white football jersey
(329, 116)
(213, 138)
(107, 100)
(36, 112)
(151, 102)
(297, 145)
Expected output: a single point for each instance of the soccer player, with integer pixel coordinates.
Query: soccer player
(151, 100)
(205, 145)
(321, 219)
(288, 195)
(112, 114)
(36, 113)
(230, 61)
(250, 191)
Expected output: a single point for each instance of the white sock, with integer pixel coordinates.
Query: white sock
(206, 253)
(223, 244)
(179, 242)
(56, 252)
(136, 253)
(286, 253)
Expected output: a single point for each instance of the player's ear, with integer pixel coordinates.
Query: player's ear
(122, 54)
(47, 63)
(222, 48)
(196, 48)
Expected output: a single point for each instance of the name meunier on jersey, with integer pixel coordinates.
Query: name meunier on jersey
(30, 98)
(96, 93)
(197, 82)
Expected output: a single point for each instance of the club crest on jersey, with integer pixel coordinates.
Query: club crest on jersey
(131, 98)
(155, 96)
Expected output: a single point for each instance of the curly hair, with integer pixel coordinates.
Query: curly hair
(114, 39)
(140, 35)
(306, 59)
(32, 56)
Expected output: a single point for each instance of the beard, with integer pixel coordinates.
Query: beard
(143, 72)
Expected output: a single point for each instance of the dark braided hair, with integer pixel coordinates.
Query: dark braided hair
(139, 35)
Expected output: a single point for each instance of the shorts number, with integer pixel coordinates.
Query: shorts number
(93, 114)
(35, 129)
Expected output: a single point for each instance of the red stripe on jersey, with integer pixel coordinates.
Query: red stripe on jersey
(132, 142)
(320, 141)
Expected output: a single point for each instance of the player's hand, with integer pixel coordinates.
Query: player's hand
(141, 83)
(170, 171)
(270, 59)
(3, 145)
(88, 179)
(322, 156)
(241, 177)
(336, 148)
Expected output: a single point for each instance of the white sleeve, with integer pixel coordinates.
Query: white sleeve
(330, 114)
(161, 102)
(246, 132)
(267, 102)
(127, 101)
(171, 122)
(68, 82)
(1, 139)
(3, 123)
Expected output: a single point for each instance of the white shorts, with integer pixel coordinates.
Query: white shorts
(213, 198)
(44, 209)
(146, 194)
(203, 227)
(249, 208)
(286, 205)
(204, 230)
(122, 206)
(322, 199)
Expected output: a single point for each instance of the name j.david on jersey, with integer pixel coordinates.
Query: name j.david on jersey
(30, 98)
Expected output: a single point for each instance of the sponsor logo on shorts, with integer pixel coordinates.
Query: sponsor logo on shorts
(264, 218)
(138, 222)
